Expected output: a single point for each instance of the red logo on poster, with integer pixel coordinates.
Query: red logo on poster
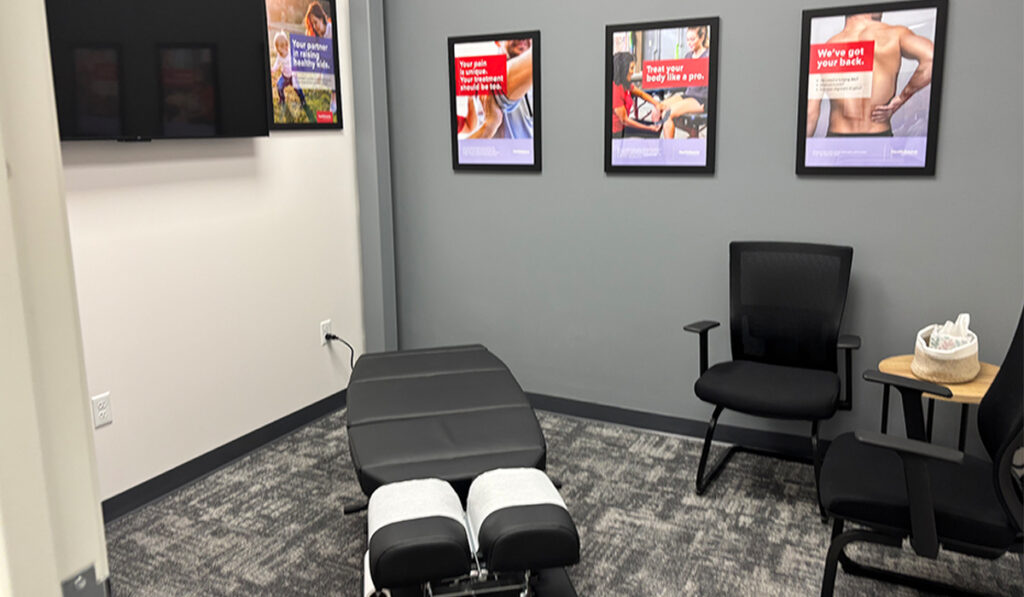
(480, 75)
(323, 116)
(844, 57)
(685, 72)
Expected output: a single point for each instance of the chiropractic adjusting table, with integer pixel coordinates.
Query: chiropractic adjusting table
(450, 453)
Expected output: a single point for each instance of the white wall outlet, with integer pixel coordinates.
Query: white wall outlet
(325, 328)
(101, 413)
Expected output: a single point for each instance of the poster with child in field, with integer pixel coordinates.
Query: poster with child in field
(304, 82)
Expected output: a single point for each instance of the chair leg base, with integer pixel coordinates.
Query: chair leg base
(816, 460)
(704, 479)
(716, 469)
(925, 585)
(837, 555)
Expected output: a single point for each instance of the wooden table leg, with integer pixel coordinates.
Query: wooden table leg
(963, 426)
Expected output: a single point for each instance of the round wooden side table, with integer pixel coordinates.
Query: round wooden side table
(964, 394)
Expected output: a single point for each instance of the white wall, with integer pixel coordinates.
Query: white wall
(6, 586)
(24, 509)
(204, 268)
(49, 492)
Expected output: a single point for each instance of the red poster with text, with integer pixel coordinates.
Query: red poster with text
(670, 74)
(845, 57)
(842, 70)
(481, 75)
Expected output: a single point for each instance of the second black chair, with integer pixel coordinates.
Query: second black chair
(894, 488)
(786, 305)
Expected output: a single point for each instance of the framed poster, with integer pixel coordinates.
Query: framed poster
(870, 81)
(661, 85)
(494, 88)
(305, 86)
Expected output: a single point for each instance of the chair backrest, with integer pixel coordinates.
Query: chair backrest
(786, 302)
(1000, 424)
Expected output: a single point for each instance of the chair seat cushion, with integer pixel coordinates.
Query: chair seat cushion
(770, 390)
(448, 413)
(866, 484)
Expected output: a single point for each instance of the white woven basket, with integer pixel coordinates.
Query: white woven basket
(957, 365)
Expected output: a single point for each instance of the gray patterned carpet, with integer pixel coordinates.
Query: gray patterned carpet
(271, 523)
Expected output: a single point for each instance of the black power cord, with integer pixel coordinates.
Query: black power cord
(351, 351)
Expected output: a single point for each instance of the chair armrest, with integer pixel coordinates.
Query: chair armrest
(849, 342)
(924, 536)
(910, 397)
(907, 446)
(906, 383)
(701, 328)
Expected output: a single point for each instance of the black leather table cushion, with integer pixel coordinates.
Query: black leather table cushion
(770, 390)
(447, 413)
(866, 484)
(529, 537)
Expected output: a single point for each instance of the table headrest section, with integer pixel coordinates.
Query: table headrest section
(383, 366)
(449, 413)
(520, 522)
(416, 533)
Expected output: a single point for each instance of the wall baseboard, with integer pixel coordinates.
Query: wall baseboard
(179, 476)
(786, 445)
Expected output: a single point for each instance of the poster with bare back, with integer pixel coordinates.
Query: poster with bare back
(870, 82)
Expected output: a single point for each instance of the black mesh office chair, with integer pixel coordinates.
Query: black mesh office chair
(936, 496)
(786, 304)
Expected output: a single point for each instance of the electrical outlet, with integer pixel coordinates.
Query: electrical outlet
(101, 413)
(325, 328)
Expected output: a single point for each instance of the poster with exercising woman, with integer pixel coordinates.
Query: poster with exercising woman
(660, 90)
(304, 81)
(869, 88)
(495, 101)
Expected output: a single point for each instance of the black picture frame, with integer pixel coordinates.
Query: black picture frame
(534, 37)
(935, 90)
(710, 108)
(283, 126)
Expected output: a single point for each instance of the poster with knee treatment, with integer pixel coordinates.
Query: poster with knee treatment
(869, 88)
(304, 81)
(494, 93)
(661, 82)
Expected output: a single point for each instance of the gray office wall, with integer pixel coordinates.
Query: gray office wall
(582, 282)
(373, 171)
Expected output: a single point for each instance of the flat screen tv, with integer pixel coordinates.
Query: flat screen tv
(152, 69)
